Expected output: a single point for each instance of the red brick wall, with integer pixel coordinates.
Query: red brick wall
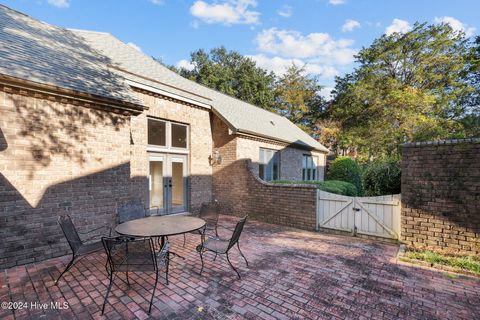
(241, 192)
(58, 156)
(441, 195)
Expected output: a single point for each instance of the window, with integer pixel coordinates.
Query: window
(167, 134)
(179, 136)
(269, 165)
(309, 168)
(157, 133)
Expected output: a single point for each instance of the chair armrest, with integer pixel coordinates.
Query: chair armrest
(109, 228)
(92, 230)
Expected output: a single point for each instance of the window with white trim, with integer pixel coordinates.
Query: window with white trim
(167, 135)
(309, 168)
(269, 165)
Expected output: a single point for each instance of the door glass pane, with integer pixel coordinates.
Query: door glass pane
(177, 184)
(156, 184)
(156, 132)
(179, 136)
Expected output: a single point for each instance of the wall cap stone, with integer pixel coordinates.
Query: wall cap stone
(440, 142)
(248, 163)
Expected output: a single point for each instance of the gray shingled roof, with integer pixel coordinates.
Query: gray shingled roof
(241, 116)
(38, 52)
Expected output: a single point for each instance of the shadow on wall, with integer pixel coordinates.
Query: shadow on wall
(31, 233)
(67, 136)
(3, 141)
(45, 54)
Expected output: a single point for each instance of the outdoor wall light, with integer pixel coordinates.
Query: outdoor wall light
(215, 158)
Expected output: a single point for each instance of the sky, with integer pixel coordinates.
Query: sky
(323, 35)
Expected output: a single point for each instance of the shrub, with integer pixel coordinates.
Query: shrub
(382, 177)
(346, 169)
(333, 186)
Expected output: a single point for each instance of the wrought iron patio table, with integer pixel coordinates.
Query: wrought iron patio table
(160, 226)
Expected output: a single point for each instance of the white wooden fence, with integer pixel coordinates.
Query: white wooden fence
(375, 216)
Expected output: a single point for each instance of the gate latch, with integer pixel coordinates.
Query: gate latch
(356, 209)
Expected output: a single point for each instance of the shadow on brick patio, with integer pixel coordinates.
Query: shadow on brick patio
(293, 274)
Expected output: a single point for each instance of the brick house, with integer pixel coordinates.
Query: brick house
(88, 123)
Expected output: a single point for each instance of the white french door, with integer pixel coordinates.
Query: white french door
(168, 178)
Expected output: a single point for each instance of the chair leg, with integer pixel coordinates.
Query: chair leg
(108, 292)
(128, 281)
(69, 265)
(201, 258)
(184, 239)
(241, 253)
(153, 293)
(231, 265)
(167, 265)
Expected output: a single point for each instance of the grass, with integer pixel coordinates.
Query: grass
(469, 263)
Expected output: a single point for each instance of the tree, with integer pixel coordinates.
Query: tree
(408, 87)
(233, 74)
(298, 98)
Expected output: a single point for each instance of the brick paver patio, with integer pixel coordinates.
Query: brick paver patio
(293, 274)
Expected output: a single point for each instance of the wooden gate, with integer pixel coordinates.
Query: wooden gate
(375, 216)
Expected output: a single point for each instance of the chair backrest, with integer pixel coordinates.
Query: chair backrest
(131, 211)
(70, 232)
(210, 212)
(132, 254)
(237, 232)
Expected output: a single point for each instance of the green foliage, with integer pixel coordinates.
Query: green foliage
(233, 74)
(346, 169)
(298, 98)
(332, 186)
(408, 87)
(381, 177)
(469, 263)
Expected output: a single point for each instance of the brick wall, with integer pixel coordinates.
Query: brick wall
(57, 156)
(441, 195)
(240, 191)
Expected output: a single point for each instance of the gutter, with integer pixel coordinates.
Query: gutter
(166, 93)
(71, 94)
(254, 134)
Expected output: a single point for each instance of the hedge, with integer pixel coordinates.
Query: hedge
(382, 177)
(333, 186)
(346, 169)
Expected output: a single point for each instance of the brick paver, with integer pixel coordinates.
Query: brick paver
(293, 274)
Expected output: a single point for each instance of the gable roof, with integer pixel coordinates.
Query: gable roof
(241, 116)
(43, 54)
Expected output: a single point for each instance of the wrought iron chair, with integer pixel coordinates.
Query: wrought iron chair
(78, 246)
(125, 254)
(208, 212)
(132, 210)
(223, 246)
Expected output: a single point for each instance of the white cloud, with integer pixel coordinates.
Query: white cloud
(59, 3)
(456, 25)
(336, 2)
(285, 11)
(158, 2)
(326, 92)
(227, 12)
(350, 25)
(398, 25)
(279, 65)
(318, 46)
(185, 64)
(134, 46)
